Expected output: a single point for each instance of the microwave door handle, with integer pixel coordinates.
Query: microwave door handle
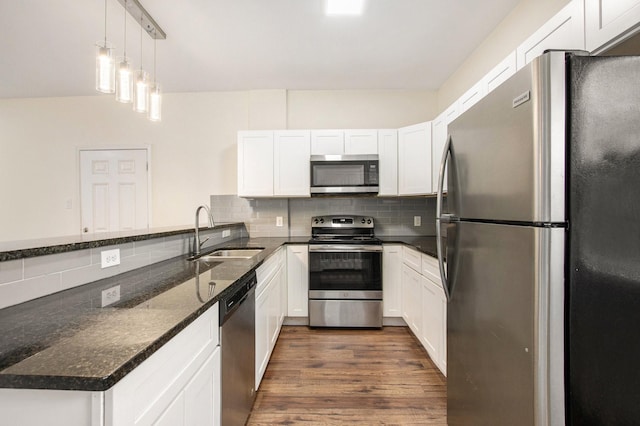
(440, 218)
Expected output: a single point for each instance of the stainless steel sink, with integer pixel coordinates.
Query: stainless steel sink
(222, 254)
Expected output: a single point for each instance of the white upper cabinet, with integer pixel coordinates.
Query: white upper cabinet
(472, 96)
(360, 142)
(292, 151)
(344, 142)
(501, 72)
(414, 160)
(438, 140)
(388, 162)
(327, 142)
(255, 163)
(565, 31)
(607, 21)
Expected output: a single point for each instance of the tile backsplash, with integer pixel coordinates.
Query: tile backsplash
(393, 216)
(26, 279)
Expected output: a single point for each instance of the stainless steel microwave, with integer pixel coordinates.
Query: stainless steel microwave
(344, 174)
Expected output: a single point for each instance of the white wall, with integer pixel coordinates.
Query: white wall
(193, 148)
(524, 20)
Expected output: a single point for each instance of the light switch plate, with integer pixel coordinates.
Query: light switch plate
(109, 258)
(417, 220)
(278, 220)
(226, 233)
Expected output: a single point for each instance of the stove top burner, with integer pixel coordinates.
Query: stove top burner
(342, 229)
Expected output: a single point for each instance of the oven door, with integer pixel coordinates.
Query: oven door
(345, 271)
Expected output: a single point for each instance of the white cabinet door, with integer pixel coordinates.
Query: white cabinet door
(438, 139)
(202, 394)
(412, 299)
(275, 299)
(360, 142)
(388, 162)
(414, 160)
(433, 328)
(298, 280)
(607, 21)
(501, 72)
(262, 334)
(255, 164)
(471, 96)
(392, 280)
(327, 142)
(292, 151)
(564, 31)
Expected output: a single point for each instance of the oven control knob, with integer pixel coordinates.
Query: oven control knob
(363, 220)
(369, 221)
(321, 220)
(315, 220)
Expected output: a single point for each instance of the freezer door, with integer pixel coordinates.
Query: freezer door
(508, 150)
(604, 289)
(505, 337)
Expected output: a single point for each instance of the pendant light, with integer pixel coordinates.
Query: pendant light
(124, 77)
(155, 96)
(141, 88)
(105, 65)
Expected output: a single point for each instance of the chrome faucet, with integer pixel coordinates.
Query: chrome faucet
(196, 242)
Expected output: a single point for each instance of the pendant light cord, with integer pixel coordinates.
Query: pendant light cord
(140, 43)
(125, 30)
(154, 56)
(105, 23)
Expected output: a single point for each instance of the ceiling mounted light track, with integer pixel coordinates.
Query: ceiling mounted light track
(146, 21)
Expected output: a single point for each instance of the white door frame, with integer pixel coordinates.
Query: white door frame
(79, 149)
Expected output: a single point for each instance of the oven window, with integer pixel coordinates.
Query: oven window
(345, 271)
(337, 174)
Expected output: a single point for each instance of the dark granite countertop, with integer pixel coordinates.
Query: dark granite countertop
(67, 341)
(11, 250)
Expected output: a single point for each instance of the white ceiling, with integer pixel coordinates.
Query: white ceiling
(48, 45)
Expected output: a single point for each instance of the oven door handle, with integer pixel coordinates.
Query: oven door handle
(341, 248)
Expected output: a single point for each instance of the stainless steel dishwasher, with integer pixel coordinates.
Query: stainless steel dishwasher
(238, 329)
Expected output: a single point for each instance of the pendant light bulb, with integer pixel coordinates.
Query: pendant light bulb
(124, 83)
(141, 85)
(141, 91)
(155, 103)
(105, 64)
(124, 77)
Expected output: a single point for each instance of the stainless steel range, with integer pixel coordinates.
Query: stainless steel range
(345, 272)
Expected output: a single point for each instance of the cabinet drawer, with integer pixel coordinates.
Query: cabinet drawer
(268, 269)
(431, 269)
(412, 258)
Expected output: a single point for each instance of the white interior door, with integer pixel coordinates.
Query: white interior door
(114, 190)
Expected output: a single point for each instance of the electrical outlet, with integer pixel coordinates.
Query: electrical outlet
(417, 220)
(110, 258)
(226, 233)
(278, 220)
(110, 295)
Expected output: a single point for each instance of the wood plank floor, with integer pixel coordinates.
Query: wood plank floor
(341, 376)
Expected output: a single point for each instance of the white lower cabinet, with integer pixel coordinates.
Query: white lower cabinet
(411, 299)
(424, 305)
(298, 280)
(270, 309)
(172, 386)
(391, 280)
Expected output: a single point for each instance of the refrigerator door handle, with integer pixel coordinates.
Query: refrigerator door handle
(440, 218)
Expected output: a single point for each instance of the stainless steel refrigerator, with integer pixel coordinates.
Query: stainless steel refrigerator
(542, 224)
